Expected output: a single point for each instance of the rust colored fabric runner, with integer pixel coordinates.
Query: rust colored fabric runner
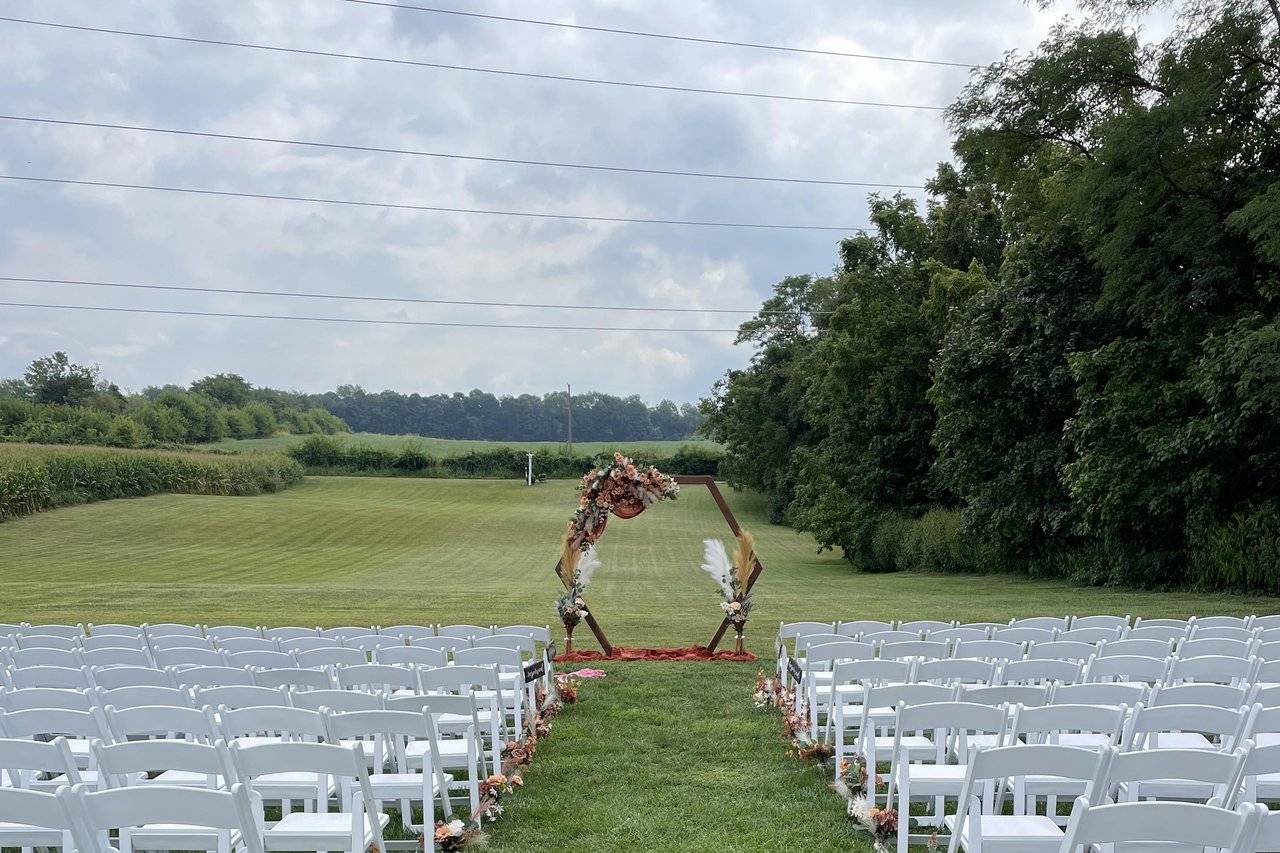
(685, 653)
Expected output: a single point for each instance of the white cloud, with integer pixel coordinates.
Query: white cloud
(218, 242)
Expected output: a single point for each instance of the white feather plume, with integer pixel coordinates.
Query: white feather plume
(715, 562)
(587, 566)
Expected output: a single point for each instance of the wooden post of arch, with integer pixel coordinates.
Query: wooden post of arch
(757, 569)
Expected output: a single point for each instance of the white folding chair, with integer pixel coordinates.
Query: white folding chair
(114, 656)
(1041, 672)
(248, 644)
(850, 681)
(1260, 777)
(184, 656)
(877, 740)
(1191, 693)
(70, 632)
(262, 725)
(479, 682)
(1174, 774)
(445, 644)
(160, 721)
(818, 680)
(111, 641)
(1022, 635)
(1159, 649)
(183, 763)
(395, 778)
(996, 650)
(38, 765)
(111, 677)
(980, 824)
(1061, 650)
(1217, 648)
(73, 678)
(34, 820)
(464, 751)
(161, 818)
(466, 632)
(330, 656)
(337, 700)
(412, 632)
(1187, 727)
(352, 830)
(914, 776)
(178, 641)
(915, 650)
(1109, 694)
(170, 629)
(115, 629)
(953, 671)
(371, 642)
(1175, 827)
(1092, 636)
(515, 698)
(411, 656)
(852, 628)
(342, 634)
(69, 658)
(46, 697)
(260, 659)
(80, 728)
(1043, 623)
(46, 641)
(221, 633)
(235, 696)
(294, 678)
(378, 678)
(121, 698)
(306, 644)
(213, 676)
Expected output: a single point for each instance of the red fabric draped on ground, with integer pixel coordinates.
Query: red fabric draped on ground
(685, 653)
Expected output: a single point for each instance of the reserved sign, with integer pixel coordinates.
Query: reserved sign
(534, 670)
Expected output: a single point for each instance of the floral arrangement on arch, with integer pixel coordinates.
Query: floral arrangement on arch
(619, 487)
(732, 576)
(570, 606)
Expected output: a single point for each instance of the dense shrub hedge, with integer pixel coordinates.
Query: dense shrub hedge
(324, 455)
(38, 477)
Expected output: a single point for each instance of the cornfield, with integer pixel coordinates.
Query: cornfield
(39, 477)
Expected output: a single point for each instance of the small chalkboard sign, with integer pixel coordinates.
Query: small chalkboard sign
(794, 670)
(534, 670)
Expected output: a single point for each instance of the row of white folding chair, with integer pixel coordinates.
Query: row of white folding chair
(169, 817)
(927, 738)
(277, 721)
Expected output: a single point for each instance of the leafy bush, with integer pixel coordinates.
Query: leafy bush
(1241, 554)
(35, 478)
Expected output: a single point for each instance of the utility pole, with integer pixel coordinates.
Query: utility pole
(568, 410)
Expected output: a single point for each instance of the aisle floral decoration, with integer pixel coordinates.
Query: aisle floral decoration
(733, 577)
(855, 782)
(455, 835)
(618, 487)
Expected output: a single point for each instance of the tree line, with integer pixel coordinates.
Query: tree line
(58, 401)
(1067, 364)
(526, 417)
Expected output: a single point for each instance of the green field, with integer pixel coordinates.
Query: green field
(441, 447)
(657, 756)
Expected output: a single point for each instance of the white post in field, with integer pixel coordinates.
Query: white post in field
(528, 475)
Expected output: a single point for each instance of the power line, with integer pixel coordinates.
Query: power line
(668, 36)
(431, 208)
(469, 68)
(10, 279)
(357, 320)
(452, 156)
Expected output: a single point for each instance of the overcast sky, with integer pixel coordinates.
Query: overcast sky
(54, 231)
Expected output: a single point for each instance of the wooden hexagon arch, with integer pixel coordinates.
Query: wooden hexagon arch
(756, 570)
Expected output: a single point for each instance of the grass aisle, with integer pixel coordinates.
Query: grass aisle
(671, 756)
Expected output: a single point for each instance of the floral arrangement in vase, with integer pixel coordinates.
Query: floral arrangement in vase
(576, 572)
(732, 577)
(618, 487)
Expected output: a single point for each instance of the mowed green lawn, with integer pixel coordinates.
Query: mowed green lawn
(658, 755)
(445, 447)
